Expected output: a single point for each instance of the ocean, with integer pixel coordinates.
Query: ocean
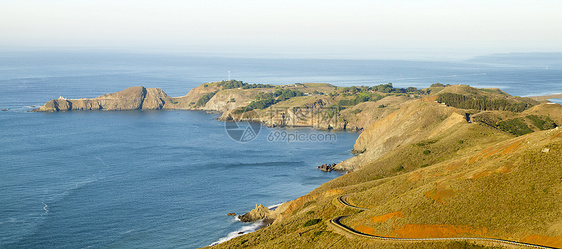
(166, 179)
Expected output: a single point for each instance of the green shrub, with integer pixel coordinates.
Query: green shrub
(437, 85)
(538, 122)
(241, 110)
(356, 111)
(359, 98)
(262, 104)
(286, 94)
(312, 222)
(466, 102)
(514, 126)
(426, 142)
(205, 98)
(233, 84)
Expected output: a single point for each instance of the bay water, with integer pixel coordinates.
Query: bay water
(166, 179)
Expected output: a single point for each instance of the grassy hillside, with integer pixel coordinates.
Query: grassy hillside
(425, 171)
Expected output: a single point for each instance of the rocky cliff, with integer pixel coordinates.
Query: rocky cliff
(416, 121)
(132, 98)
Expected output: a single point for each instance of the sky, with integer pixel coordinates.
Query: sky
(288, 28)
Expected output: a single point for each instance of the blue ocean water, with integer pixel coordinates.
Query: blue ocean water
(166, 179)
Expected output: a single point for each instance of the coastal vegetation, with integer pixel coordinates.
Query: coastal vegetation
(483, 103)
(234, 84)
(205, 98)
(266, 99)
(516, 123)
(360, 98)
(543, 123)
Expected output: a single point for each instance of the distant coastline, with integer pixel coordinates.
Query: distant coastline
(545, 97)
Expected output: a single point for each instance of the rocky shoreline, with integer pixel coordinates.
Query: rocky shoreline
(328, 167)
(315, 109)
(259, 213)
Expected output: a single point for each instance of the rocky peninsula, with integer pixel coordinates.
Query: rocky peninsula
(315, 105)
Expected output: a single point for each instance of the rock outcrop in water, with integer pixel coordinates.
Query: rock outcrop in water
(132, 98)
(259, 213)
(264, 214)
(327, 167)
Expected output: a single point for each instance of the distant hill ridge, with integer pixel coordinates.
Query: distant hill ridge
(357, 107)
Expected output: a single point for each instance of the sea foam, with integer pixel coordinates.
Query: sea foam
(244, 230)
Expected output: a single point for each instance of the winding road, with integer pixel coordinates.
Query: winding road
(336, 222)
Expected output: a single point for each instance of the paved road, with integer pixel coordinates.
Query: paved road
(337, 223)
(342, 200)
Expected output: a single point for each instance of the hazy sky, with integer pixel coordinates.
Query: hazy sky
(303, 28)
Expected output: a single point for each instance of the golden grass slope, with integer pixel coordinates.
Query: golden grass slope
(513, 190)
(452, 179)
(415, 121)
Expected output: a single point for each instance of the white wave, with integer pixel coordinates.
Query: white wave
(77, 185)
(273, 207)
(244, 230)
(45, 207)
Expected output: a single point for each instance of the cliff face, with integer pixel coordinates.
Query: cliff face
(132, 98)
(188, 101)
(231, 99)
(415, 121)
(364, 114)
